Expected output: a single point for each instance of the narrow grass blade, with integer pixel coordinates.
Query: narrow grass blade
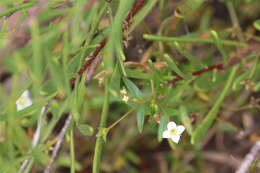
(162, 127)
(191, 40)
(218, 43)
(140, 117)
(201, 130)
(133, 89)
(191, 58)
(174, 67)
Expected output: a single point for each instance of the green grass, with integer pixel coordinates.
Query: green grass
(174, 82)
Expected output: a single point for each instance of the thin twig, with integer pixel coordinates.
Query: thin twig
(88, 79)
(197, 73)
(222, 158)
(36, 136)
(235, 59)
(235, 21)
(58, 144)
(92, 69)
(250, 157)
(128, 22)
(238, 57)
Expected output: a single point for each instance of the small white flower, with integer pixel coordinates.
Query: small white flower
(125, 98)
(123, 91)
(100, 81)
(23, 101)
(173, 131)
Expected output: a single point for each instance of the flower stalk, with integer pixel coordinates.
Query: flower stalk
(103, 121)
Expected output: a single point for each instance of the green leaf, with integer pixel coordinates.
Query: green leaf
(192, 39)
(201, 130)
(185, 119)
(85, 129)
(37, 67)
(171, 111)
(191, 58)
(174, 67)
(40, 156)
(56, 73)
(156, 75)
(189, 7)
(218, 43)
(16, 8)
(114, 43)
(140, 117)
(114, 85)
(48, 87)
(257, 25)
(162, 127)
(74, 64)
(133, 89)
(139, 17)
(137, 75)
(203, 83)
(239, 79)
(257, 87)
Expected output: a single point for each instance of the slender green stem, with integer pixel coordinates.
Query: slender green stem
(252, 72)
(72, 152)
(218, 44)
(235, 21)
(92, 31)
(164, 112)
(99, 142)
(123, 117)
(201, 130)
(14, 9)
(191, 40)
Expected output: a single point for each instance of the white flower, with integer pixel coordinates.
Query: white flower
(100, 81)
(123, 91)
(23, 101)
(173, 131)
(125, 98)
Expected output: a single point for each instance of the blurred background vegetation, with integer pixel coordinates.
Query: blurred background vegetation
(195, 62)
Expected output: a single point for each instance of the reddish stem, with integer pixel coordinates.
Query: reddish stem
(197, 73)
(133, 11)
(89, 61)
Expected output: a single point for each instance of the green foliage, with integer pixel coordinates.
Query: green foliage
(257, 25)
(167, 61)
(162, 127)
(133, 89)
(85, 129)
(140, 117)
(201, 130)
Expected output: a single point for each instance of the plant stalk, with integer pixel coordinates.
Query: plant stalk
(103, 121)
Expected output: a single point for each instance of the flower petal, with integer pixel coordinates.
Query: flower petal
(19, 107)
(28, 102)
(180, 129)
(175, 138)
(171, 125)
(25, 94)
(166, 134)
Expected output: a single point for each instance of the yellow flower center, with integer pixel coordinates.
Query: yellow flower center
(22, 101)
(174, 132)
